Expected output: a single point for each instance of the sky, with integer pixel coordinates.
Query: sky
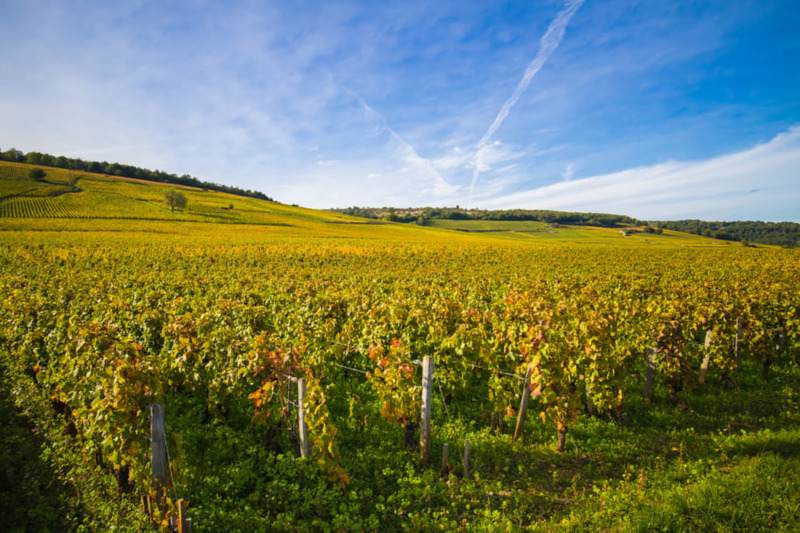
(657, 110)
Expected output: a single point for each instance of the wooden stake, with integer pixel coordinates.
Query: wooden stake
(466, 458)
(444, 459)
(158, 448)
(650, 373)
(305, 443)
(591, 408)
(701, 378)
(182, 516)
(523, 405)
(738, 346)
(781, 341)
(769, 358)
(497, 422)
(146, 506)
(425, 417)
(561, 443)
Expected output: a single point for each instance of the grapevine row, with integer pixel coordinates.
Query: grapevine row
(103, 332)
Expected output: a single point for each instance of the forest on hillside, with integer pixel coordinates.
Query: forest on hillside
(126, 171)
(785, 234)
(421, 215)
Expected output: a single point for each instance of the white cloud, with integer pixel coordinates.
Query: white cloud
(455, 158)
(569, 172)
(487, 156)
(419, 174)
(738, 186)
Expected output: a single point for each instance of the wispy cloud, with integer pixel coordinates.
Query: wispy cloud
(729, 187)
(550, 41)
(414, 165)
(568, 172)
(250, 93)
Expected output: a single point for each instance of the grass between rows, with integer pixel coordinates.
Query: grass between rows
(730, 463)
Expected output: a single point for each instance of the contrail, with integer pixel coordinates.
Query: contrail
(550, 41)
(409, 153)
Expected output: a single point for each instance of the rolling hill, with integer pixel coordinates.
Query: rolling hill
(84, 201)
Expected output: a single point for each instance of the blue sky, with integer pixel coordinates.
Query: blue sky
(657, 110)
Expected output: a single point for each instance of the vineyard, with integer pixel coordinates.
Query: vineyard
(662, 379)
(100, 197)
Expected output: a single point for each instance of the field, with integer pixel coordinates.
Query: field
(116, 303)
(542, 233)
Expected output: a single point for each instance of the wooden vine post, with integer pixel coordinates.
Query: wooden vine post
(737, 347)
(158, 451)
(466, 458)
(425, 418)
(701, 378)
(650, 373)
(305, 442)
(591, 408)
(769, 357)
(184, 524)
(781, 341)
(523, 406)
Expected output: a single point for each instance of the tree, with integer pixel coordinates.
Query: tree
(36, 174)
(175, 199)
(12, 154)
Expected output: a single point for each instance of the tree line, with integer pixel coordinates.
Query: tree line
(126, 171)
(785, 234)
(420, 215)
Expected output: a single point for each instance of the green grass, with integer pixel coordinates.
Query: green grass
(14, 187)
(32, 497)
(729, 464)
(485, 226)
(543, 233)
